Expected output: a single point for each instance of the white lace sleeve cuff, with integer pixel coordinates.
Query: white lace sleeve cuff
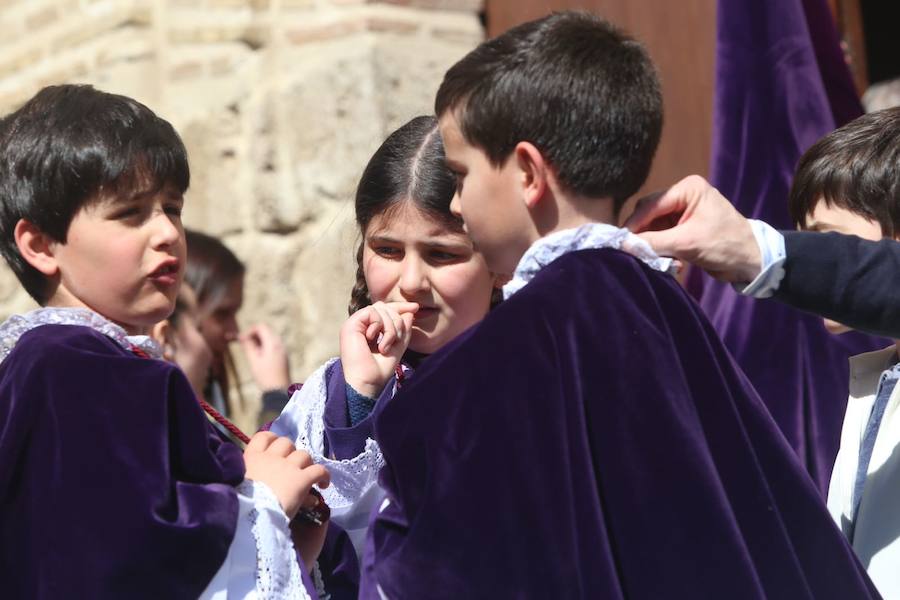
(261, 562)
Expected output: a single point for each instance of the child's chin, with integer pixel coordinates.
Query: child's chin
(423, 344)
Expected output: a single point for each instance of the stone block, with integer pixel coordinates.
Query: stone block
(186, 70)
(218, 197)
(470, 6)
(307, 33)
(41, 18)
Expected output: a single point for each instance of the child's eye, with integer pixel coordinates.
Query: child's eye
(129, 212)
(387, 251)
(439, 256)
(174, 210)
(459, 181)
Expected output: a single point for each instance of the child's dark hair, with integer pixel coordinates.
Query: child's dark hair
(211, 267)
(408, 167)
(72, 145)
(857, 168)
(579, 89)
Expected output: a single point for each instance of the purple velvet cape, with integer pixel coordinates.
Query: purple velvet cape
(592, 438)
(781, 84)
(112, 482)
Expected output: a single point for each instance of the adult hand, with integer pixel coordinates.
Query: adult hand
(266, 357)
(693, 222)
(289, 472)
(373, 341)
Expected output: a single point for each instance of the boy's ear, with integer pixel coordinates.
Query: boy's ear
(36, 247)
(535, 173)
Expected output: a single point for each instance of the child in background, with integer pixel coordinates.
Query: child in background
(217, 276)
(112, 482)
(591, 437)
(182, 342)
(420, 283)
(848, 182)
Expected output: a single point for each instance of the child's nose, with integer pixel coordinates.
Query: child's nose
(413, 277)
(455, 206)
(166, 231)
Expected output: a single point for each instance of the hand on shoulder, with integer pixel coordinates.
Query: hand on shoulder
(693, 222)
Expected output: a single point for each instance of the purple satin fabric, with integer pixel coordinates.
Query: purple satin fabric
(592, 438)
(772, 102)
(112, 482)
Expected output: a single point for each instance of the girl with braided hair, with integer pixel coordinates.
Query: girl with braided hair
(420, 283)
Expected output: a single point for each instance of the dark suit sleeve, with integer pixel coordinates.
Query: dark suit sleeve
(844, 278)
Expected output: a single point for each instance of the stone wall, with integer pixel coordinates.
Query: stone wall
(280, 103)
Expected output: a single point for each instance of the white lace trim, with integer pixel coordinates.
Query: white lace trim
(319, 582)
(303, 420)
(592, 235)
(354, 489)
(17, 325)
(277, 572)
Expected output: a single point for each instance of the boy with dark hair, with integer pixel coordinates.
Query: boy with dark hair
(113, 484)
(848, 182)
(591, 438)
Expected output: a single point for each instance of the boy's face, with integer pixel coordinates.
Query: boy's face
(489, 200)
(124, 258)
(840, 220)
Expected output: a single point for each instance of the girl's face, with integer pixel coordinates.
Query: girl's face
(218, 317)
(191, 352)
(183, 344)
(408, 256)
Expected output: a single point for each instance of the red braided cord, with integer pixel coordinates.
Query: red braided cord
(319, 513)
(220, 418)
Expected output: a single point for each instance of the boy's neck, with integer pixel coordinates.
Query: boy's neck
(564, 210)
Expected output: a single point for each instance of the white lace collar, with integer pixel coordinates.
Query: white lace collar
(17, 325)
(592, 235)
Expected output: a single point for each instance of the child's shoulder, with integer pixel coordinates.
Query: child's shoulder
(55, 350)
(55, 342)
(604, 277)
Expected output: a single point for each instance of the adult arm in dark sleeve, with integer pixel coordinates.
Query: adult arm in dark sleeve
(845, 278)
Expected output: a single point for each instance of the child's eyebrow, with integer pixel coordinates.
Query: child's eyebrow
(382, 238)
(822, 226)
(435, 240)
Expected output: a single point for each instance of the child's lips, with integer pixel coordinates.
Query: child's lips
(166, 273)
(425, 312)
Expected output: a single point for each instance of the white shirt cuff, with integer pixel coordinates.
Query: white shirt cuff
(771, 249)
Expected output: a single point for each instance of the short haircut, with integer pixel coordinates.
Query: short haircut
(857, 168)
(65, 148)
(582, 91)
